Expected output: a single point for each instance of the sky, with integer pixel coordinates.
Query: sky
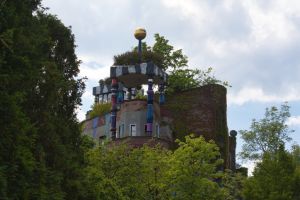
(252, 44)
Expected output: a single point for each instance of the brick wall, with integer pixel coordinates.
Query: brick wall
(202, 111)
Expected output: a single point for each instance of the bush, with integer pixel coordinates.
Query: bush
(132, 58)
(100, 109)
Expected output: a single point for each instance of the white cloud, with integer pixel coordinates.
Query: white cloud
(94, 74)
(188, 9)
(294, 121)
(255, 94)
(250, 165)
(270, 23)
(80, 114)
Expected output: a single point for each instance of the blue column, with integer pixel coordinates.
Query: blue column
(149, 107)
(114, 90)
(120, 96)
(140, 51)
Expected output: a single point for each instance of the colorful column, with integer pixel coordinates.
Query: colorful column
(161, 90)
(96, 99)
(114, 90)
(140, 51)
(129, 96)
(149, 107)
(120, 96)
(133, 93)
(102, 98)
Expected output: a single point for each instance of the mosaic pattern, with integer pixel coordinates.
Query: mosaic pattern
(148, 69)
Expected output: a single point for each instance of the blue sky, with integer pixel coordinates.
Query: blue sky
(252, 44)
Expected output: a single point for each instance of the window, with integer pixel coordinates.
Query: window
(121, 131)
(157, 130)
(132, 129)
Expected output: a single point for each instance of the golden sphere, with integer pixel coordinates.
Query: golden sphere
(140, 33)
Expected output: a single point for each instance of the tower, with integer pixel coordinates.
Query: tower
(154, 118)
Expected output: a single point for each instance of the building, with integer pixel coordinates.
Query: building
(159, 119)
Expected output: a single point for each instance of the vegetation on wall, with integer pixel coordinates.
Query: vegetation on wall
(188, 102)
(99, 109)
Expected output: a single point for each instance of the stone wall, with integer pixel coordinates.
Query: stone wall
(202, 111)
(97, 127)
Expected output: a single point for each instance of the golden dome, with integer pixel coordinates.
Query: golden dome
(140, 33)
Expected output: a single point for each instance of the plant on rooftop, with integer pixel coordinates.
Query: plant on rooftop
(99, 109)
(132, 58)
(141, 96)
(165, 56)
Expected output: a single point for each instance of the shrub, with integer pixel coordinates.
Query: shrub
(99, 109)
(132, 58)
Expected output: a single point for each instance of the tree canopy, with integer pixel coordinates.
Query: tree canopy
(275, 177)
(276, 174)
(267, 134)
(189, 172)
(40, 151)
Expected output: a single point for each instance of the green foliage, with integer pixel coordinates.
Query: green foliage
(181, 76)
(132, 58)
(124, 173)
(267, 134)
(99, 109)
(184, 79)
(276, 175)
(274, 178)
(40, 154)
(119, 172)
(173, 59)
(233, 183)
(296, 154)
(141, 96)
(193, 170)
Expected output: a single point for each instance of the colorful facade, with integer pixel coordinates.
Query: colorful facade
(137, 119)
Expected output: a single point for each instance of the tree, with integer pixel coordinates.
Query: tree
(267, 134)
(233, 183)
(274, 178)
(121, 172)
(296, 154)
(181, 76)
(193, 171)
(40, 153)
(172, 59)
(276, 175)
